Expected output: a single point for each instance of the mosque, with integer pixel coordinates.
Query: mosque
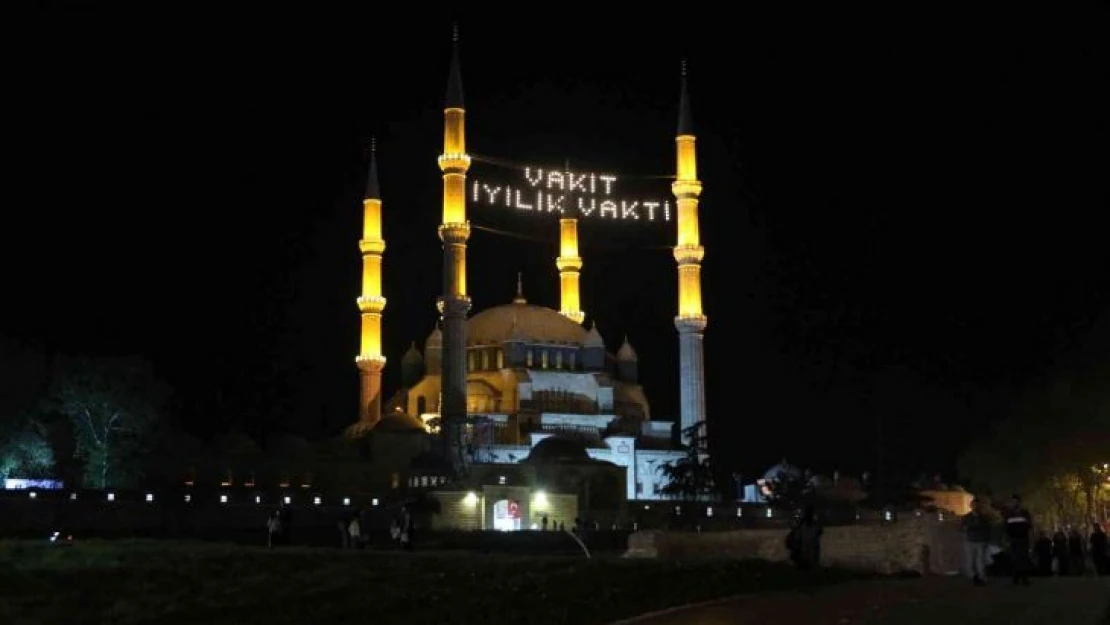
(515, 398)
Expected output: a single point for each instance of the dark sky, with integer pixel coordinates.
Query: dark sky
(904, 224)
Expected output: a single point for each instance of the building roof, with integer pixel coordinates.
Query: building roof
(398, 421)
(524, 322)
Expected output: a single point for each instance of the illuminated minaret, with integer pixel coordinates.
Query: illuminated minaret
(454, 232)
(370, 360)
(688, 253)
(569, 264)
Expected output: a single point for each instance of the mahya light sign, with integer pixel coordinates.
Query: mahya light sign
(569, 193)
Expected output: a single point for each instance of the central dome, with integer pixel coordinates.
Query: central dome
(525, 322)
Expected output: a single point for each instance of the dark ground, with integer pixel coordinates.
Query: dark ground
(928, 601)
(177, 582)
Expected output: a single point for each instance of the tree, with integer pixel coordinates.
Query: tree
(114, 404)
(26, 452)
(690, 478)
(25, 449)
(1053, 442)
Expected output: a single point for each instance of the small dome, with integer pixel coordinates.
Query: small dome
(434, 340)
(412, 356)
(626, 352)
(398, 421)
(556, 449)
(593, 337)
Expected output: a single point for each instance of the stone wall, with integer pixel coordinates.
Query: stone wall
(922, 545)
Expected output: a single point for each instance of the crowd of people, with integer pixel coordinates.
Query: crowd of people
(1067, 552)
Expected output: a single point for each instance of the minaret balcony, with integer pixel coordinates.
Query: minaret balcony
(686, 188)
(454, 163)
(371, 303)
(691, 323)
(689, 254)
(574, 315)
(369, 246)
(568, 263)
(454, 232)
(456, 304)
(370, 362)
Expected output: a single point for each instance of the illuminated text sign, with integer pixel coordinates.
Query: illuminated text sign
(584, 195)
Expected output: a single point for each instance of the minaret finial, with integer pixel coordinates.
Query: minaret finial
(373, 192)
(685, 119)
(519, 299)
(454, 80)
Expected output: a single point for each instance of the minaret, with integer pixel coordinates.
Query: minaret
(454, 232)
(569, 264)
(688, 253)
(370, 360)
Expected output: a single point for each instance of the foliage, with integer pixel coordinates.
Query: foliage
(181, 582)
(691, 477)
(1051, 446)
(115, 404)
(26, 452)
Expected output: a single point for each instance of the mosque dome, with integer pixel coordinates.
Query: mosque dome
(626, 352)
(412, 357)
(398, 421)
(434, 340)
(557, 449)
(593, 337)
(524, 322)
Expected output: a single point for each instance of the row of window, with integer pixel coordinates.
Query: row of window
(478, 360)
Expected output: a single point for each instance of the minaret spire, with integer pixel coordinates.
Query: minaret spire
(519, 299)
(454, 97)
(688, 254)
(370, 360)
(685, 119)
(372, 190)
(454, 231)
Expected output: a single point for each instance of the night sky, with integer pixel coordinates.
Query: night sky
(906, 225)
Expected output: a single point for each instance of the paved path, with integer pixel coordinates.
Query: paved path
(932, 601)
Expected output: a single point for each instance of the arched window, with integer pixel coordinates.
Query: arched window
(529, 358)
(500, 359)
(421, 405)
(470, 361)
(543, 356)
(570, 361)
(559, 359)
(485, 359)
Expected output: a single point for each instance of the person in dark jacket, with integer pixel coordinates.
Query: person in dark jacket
(1060, 552)
(1042, 549)
(1076, 552)
(1099, 550)
(1019, 526)
(977, 537)
(804, 540)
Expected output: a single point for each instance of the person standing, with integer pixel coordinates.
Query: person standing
(977, 537)
(355, 531)
(1060, 551)
(273, 530)
(1019, 525)
(1042, 549)
(1076, 552)
(406, 528)
(1100, 556)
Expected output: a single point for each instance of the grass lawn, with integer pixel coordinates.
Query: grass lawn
(141, 581)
